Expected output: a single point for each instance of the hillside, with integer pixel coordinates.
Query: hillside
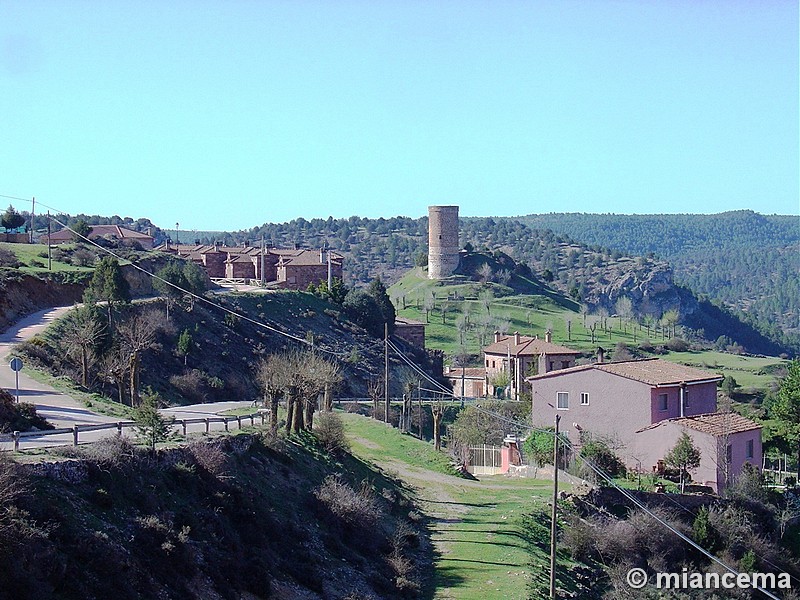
(248, 516)
(744, 259)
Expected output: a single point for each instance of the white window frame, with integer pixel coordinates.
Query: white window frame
(584, 398)
(558, 400)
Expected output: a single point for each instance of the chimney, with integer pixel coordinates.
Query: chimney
(496, 336)
(601, 354)
(516, 338)
(548, 336)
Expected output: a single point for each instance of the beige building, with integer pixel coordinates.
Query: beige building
(522, 356)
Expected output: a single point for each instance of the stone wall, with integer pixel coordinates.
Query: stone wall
(442, 241)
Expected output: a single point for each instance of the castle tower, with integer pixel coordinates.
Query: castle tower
(442, 241)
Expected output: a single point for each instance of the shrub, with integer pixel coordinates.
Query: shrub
(209, 456)
(20, 416)
(9, 259)
(346, 505)
(604, 458)
(111, 451)
(329, 430)
(677, 344)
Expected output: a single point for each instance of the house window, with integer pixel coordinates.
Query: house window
(686, 399)
(552, 366)
(749, 453)
(584, 398)
(663, 402)
(562, 400)
(487, 362)
(564, 364)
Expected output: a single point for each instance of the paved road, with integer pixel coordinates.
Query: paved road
(62, 410)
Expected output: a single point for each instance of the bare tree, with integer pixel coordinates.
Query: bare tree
(486, 297)
(137, 334)
(437, 411)
(429, 304)
(115, 369)
(485, 272)
(271, 377)
(624, 308)
(503, 276)
(81, 339)
(375, 391)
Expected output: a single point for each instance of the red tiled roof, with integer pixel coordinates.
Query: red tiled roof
(652, 371)
(122, 233)
(527, 346)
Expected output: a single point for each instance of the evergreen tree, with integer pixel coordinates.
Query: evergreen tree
(786, 408)
(685, 457)
(108, 285)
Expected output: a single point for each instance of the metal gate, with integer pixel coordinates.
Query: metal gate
(484, 460)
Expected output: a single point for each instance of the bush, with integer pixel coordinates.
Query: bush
(9, 259)
(677, 344)
(19, 416)
(346, 505)
(603, 458)
(209, 456)
(329, 431)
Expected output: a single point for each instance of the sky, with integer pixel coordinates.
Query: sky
(226, 115)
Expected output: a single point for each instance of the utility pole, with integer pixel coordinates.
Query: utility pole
(553, 524)
(33, 215)
(386, 369)
(177, 225)
(330, 273)
(262, 278)
(49, 255)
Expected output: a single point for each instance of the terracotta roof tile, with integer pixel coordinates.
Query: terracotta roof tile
(528, 346)
(716, 424)
(652, 371)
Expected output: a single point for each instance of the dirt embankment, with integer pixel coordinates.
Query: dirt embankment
(21, 295)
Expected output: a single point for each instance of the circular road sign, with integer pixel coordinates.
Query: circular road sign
(16, 364)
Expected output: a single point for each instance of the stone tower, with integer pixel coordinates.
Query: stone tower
(442, 241)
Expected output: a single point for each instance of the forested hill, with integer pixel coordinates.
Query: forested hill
(748, 261)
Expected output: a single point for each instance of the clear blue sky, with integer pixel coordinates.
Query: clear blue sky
(226, 115)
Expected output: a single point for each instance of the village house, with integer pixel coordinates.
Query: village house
(726, 442)
(640, 407)
(467, 382)
(521, 356)
(116, 233)
(288, 268)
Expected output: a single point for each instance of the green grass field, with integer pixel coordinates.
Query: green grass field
(34, 259)
(534, 315)
(488, 533)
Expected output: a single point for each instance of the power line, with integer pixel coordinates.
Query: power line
(608, 479)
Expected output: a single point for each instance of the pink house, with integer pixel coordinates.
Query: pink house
(621, 401)
(726, 442)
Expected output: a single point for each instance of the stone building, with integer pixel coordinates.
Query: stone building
(443, 255)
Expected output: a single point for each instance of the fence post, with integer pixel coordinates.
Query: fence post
(16, 441)
(263, 417)
(183, 423)
(119, 428)
(207, 424)
(239, 418)
(252, 417)
(225, 420)
(74, 435)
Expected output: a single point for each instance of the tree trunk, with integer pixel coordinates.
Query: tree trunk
(297, 417)
(273, 414)
(311, 406)
(419, 404)
(437, 421)
(85, 366)
(134, 368)
(289, 411)
(327, 398)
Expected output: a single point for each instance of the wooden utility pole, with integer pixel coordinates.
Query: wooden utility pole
(386, 369)
(33, 215)
(49, 254)
(553, 524)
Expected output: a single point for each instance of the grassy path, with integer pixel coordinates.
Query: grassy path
(483, 549)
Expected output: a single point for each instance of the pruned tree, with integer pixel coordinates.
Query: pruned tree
(437, 411)
(624, 309)
(428, 304)
(271, 375)
(137, 334)
(375, 391)
(685, 457)
(485, 298)
(115, 369)
(81, 338)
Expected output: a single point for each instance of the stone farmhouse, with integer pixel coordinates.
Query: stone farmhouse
(641, 407)
(469, 382)
(287, 268)
(522, 356)
(109, 232)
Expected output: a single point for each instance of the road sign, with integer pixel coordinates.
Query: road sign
(16, 366)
